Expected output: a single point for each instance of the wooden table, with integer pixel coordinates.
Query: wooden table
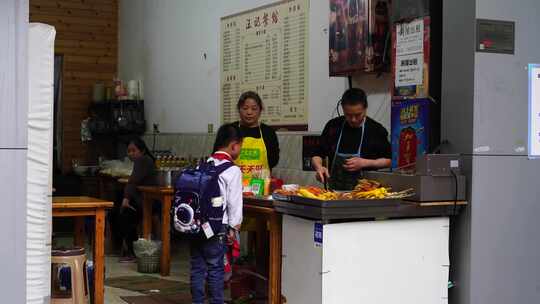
(262, 210)
(80, 207)
(165, 196)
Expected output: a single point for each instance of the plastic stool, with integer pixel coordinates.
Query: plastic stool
(69, 278)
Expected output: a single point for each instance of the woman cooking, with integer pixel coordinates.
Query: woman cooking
(260, 148)
(352, 143)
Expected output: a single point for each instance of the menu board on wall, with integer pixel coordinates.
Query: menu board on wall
(266, 50)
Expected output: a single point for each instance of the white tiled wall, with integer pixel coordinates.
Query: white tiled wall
(289, 167)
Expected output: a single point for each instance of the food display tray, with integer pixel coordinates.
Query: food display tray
(361, 212)
(339, 209)
(281, 197)
(337, 213)
(344, 203)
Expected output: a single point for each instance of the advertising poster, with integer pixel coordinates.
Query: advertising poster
(409, 131)
(378, 49)
(348, 34)
(359, 36)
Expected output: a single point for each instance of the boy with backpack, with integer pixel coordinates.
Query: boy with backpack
(208, 206)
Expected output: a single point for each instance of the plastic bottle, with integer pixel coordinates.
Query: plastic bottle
(267, 186)
(267, 181)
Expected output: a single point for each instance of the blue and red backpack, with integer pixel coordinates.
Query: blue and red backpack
(198, 199)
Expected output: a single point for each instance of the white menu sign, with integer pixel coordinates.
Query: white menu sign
(410, 37)
(409, 53)
(534, 111)
(409, 70)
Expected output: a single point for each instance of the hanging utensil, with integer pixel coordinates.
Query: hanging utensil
(122, 120)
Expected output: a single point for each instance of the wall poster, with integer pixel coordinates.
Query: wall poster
(358, 35)
(410, 58)
(409, 53)
(409, 132)
(266, 50)
(348, 34)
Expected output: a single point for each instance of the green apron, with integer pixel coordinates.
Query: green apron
(341, 179)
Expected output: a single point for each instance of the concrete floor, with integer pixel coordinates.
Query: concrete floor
(179, 265)
(112, 295)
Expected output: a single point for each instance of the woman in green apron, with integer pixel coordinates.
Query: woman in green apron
(353, 143)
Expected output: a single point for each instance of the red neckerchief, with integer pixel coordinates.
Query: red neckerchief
(220, 155)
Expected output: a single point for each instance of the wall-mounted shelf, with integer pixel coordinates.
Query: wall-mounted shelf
(117, 117)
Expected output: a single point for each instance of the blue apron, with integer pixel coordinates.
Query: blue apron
(341, 179)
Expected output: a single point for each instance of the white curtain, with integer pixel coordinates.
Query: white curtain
(39, 170)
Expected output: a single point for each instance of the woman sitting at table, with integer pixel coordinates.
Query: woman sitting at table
(144, 174)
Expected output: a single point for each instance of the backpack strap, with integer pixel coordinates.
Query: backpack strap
(219, 169)
(223, 167)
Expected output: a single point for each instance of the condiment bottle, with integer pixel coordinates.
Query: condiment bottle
(267, 180)
(158, 162)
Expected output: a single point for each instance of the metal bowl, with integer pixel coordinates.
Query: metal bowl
(85, 170)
